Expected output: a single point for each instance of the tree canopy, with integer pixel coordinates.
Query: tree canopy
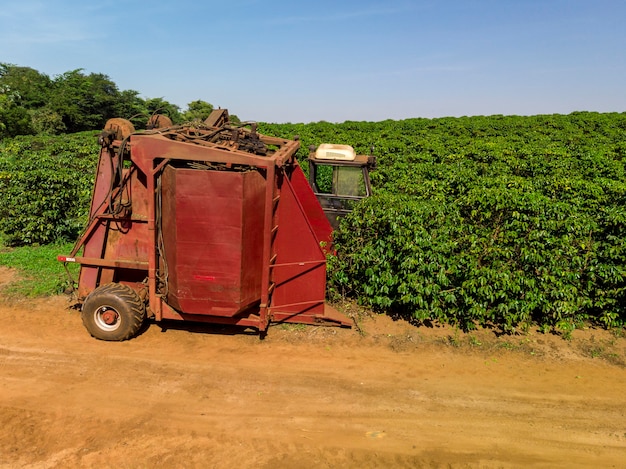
(33, 103)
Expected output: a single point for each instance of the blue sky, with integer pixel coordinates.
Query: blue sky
(279, 61)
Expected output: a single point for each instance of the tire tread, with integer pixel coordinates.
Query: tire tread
(123, 293)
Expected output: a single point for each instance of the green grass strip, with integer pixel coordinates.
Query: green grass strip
(39, 272)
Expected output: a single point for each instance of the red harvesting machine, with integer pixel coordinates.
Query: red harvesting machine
(211, 223)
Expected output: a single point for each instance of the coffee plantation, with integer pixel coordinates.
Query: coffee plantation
(503, 221)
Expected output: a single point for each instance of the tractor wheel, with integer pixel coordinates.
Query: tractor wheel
(113, 312)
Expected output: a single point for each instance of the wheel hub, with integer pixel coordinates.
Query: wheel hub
(109, 317)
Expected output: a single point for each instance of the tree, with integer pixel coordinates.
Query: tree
(197, 110)
(22, 89)
(32, 102)
(14, 119)
(84, 102)
(46, 121)
(28, 88)
(130, 106)
(161, 106)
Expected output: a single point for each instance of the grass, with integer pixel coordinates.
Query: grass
(39, 272)
(474, 341)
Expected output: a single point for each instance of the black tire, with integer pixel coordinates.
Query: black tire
(113, 312)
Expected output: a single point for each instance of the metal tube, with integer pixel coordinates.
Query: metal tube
(267, 243)
(153, 302)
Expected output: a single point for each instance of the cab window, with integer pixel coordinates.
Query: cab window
(349, 181)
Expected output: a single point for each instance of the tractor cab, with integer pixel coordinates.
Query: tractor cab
(339, 178)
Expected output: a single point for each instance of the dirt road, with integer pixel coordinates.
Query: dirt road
(304, 397)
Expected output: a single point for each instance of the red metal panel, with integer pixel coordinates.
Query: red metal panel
(112, 237)
(300, 270)
(246, 320)
(212, 225)
(128, 241)
(94, 247)
(316, 216)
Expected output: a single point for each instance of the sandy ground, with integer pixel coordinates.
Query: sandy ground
(384, 395)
